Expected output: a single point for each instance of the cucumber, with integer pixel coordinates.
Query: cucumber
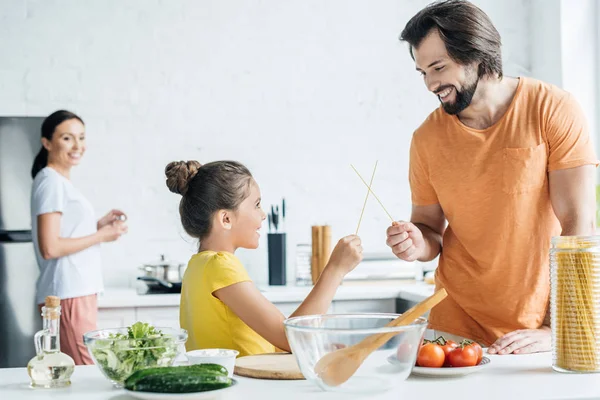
(216, 368)
(180, 383)
(203, 369)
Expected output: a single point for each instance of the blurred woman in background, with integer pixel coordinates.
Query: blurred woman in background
(66, 234)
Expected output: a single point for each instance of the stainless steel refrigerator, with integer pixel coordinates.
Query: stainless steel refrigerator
(19, 317)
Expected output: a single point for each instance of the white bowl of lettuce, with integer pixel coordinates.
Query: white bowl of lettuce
(119, 352)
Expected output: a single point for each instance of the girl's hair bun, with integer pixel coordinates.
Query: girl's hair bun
(179, 175)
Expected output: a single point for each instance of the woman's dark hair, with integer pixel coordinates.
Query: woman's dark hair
(466, 30)
(219, 185)
(48, 127)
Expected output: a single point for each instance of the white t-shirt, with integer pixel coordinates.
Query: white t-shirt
(78, 274)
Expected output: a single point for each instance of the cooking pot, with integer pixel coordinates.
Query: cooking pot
(164, 270)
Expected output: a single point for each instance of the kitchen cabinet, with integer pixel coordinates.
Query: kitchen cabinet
(168, 316)
(126, 316)
(364, 306)
(123, 307)
(115, 317)
(159, 316)
(288, 308)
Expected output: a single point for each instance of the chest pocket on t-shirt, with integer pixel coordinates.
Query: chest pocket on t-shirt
(524, 169)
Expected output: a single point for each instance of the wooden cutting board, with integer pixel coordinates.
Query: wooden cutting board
(280, 366)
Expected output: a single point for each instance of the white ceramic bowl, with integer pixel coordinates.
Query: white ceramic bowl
(223, 357)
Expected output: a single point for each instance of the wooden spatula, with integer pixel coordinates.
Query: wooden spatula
(338, 366)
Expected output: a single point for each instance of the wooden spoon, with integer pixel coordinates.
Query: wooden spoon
(338, 366)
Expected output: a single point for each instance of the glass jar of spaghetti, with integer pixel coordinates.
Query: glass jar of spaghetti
(575, 303)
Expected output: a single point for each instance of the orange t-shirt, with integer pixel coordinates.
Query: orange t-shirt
(492, 185)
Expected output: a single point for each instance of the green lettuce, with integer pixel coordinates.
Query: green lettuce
(143, 346)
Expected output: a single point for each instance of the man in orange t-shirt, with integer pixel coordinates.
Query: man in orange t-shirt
(508, 163)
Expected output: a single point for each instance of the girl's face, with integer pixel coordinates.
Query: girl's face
(67, 145)
(248, 220)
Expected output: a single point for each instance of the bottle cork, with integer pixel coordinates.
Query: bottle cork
(52, 302)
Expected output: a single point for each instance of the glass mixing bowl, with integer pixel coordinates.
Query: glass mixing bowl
(119, 357)
(311, 337)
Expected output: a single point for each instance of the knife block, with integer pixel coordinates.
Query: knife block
(321, 250)
(277, 258)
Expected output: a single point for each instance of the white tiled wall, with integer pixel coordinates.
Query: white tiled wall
(297, 90)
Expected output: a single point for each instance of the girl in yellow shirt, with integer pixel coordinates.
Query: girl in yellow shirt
(220, 306)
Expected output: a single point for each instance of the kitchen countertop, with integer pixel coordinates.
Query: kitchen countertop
(128, 297)
(506, 377)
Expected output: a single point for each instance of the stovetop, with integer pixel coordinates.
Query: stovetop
(143, 289)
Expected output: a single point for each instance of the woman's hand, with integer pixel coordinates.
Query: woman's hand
(112, 231)
(346, 255)
(112, 216)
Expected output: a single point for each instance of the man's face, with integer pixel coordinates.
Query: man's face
(454, 84)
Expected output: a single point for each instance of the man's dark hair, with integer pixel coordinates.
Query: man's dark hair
(466, 30)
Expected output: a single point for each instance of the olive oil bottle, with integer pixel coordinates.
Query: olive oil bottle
(50, 368)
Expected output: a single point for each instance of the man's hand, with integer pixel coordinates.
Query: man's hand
(523, 341)
(405, 240)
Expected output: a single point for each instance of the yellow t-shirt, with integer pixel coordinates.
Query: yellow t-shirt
(209, 322)
(493, 187)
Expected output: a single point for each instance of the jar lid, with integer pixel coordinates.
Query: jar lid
(162, 262)
(575, 242)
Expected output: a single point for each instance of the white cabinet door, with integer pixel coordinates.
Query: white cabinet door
(364, 306)
(115, 317)
(159, 316)
(287, 308)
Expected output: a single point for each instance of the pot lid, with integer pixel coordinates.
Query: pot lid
(162, 262)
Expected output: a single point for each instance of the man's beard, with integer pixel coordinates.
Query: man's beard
(462, 99)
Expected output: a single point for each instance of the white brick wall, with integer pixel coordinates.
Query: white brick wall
(296, 90)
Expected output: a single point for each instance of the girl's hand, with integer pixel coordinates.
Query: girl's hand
(346, 255)
(112, 231)
(112, 216)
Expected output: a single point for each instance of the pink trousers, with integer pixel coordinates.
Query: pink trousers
(78, 316)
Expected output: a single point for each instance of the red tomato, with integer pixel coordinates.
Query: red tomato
(479, 350)
(463, 356)
(448, 347)
(431, 355)
(476, 346)
(423, 343)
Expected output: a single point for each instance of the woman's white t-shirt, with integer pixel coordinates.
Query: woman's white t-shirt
(78, 274)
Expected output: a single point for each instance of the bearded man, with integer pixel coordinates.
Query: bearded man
(502, 166)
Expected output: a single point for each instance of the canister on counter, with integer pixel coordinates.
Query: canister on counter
(575, 303)
(321, 250)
